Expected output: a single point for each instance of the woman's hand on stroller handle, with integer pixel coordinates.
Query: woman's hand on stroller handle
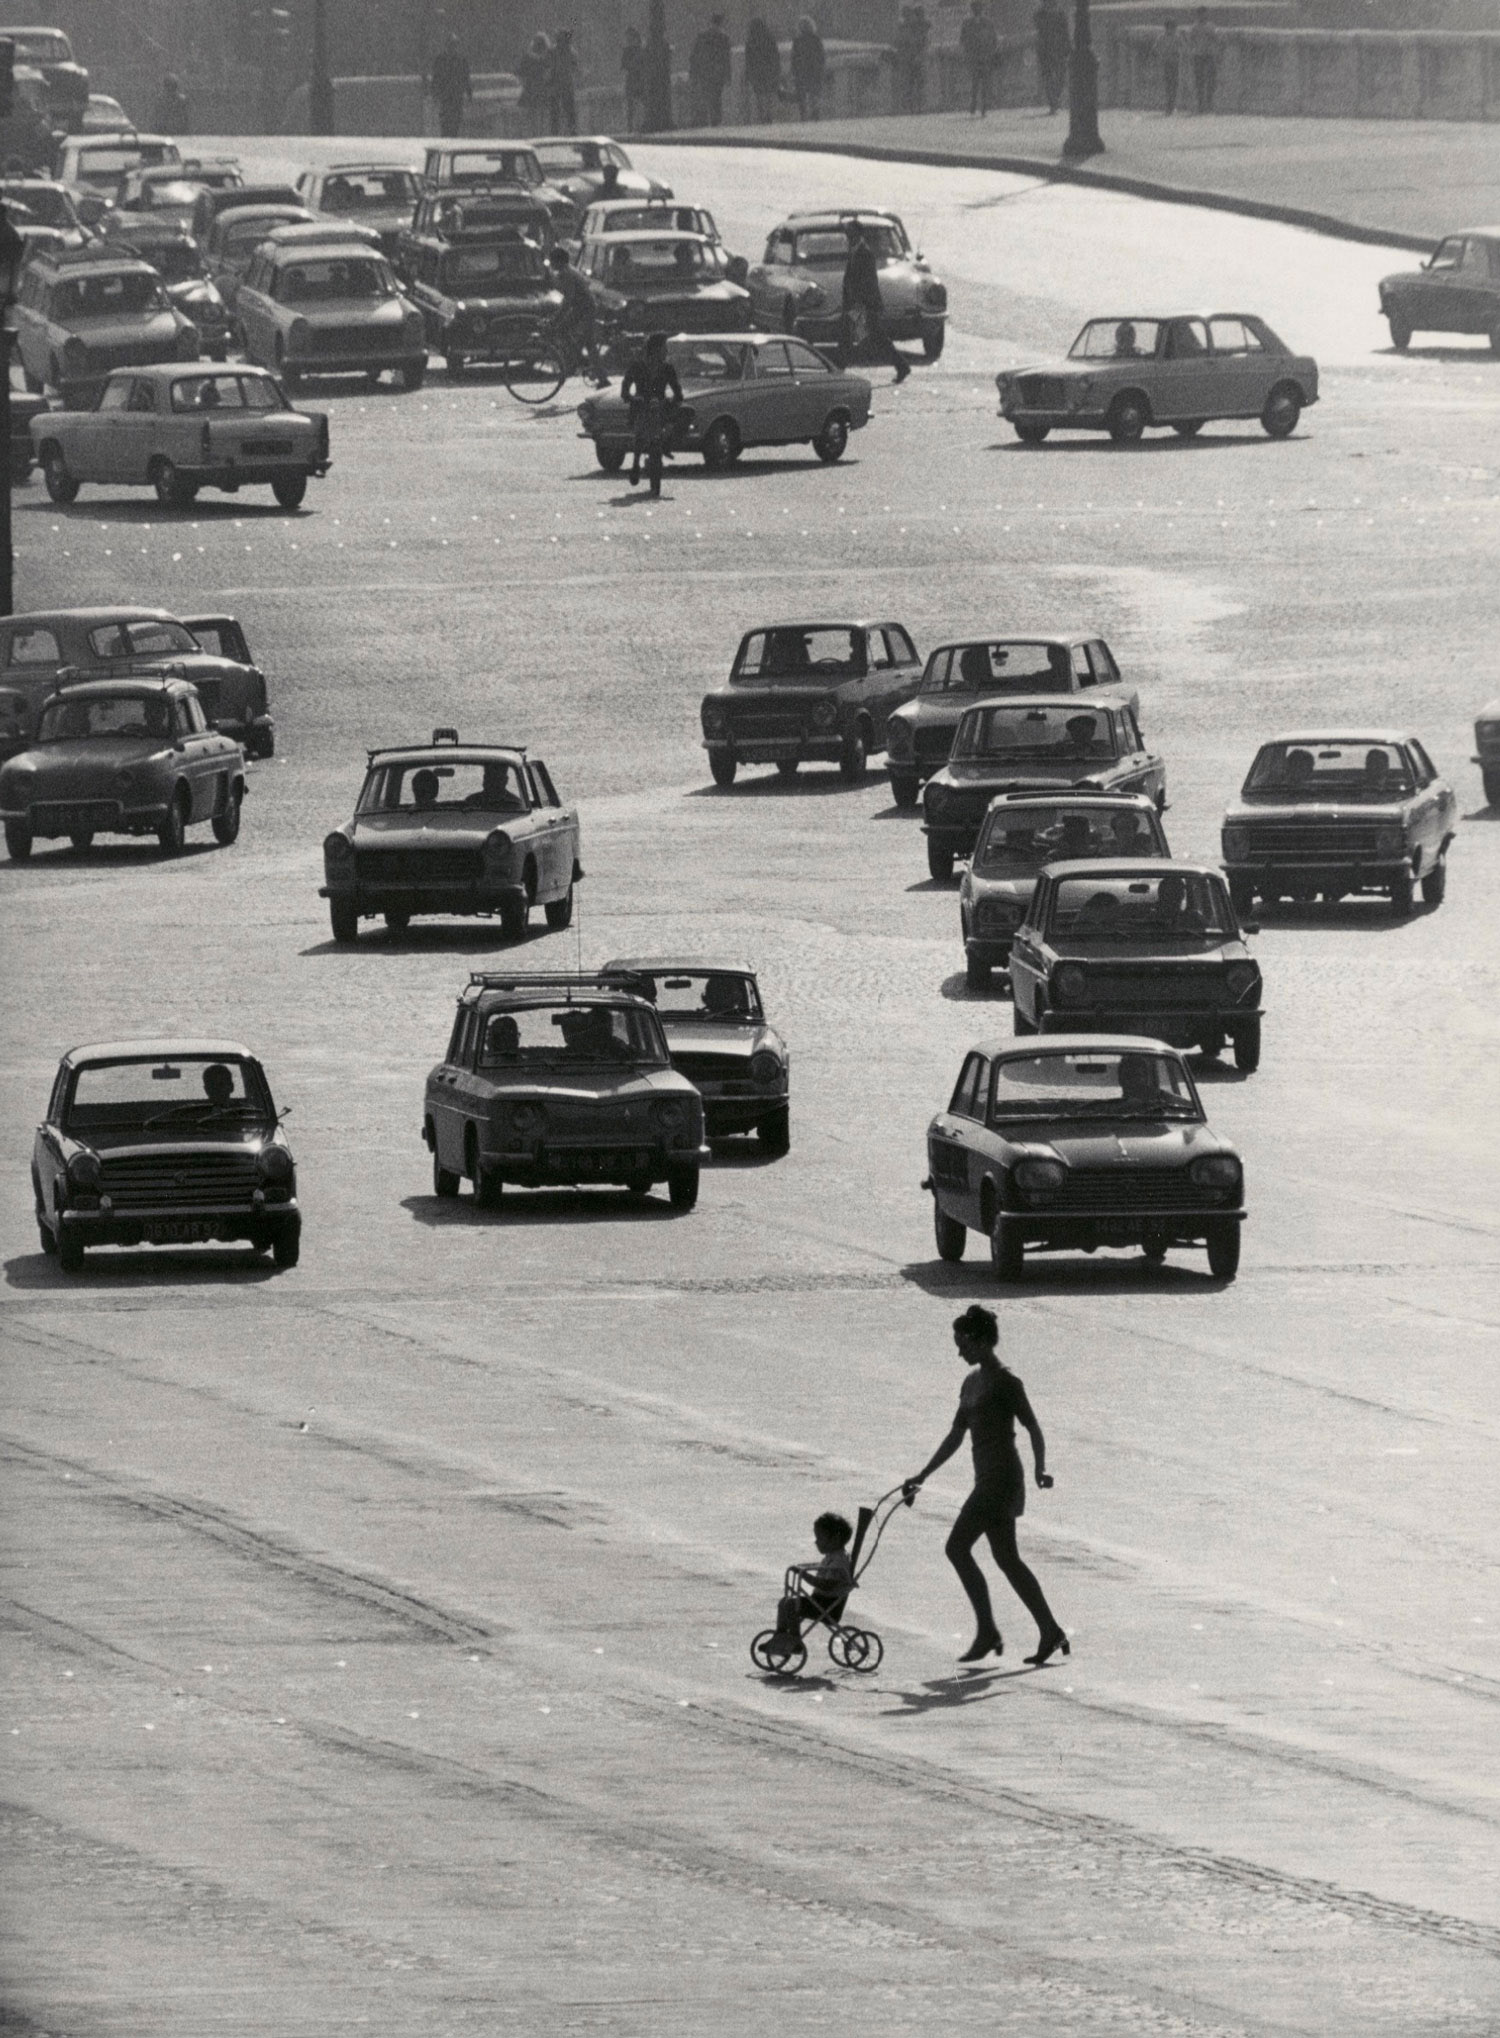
(910, 1488)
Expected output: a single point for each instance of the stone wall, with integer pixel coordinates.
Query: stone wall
(1371, 74)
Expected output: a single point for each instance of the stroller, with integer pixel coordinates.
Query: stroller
(782, 1651)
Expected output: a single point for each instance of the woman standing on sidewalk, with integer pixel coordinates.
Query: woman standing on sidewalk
(990, 1404)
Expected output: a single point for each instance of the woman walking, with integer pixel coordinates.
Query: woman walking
(990, 1404)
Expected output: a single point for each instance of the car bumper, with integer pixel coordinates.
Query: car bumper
(419, 898)
(259, 1222)
(992, 950)
(358, 361)
(1083, 1232)
(739, 1114)
(1269, 874)
(619, 1165)
(1178, 1025)
(233, 474)
(781, 749)
(53, 818)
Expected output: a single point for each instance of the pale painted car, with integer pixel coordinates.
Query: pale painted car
(329, 310)
(719, 1038)
(1124, 375)
(366, 194)
(78, 315)
(99, 164)
(231, 242)
(178, 430)
(798, 284)
(647, 216)
(575, 164)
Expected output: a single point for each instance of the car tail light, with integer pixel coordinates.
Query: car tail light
(1070, 986)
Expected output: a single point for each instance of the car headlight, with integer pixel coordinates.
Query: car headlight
(899, 737)
(84, 1171)
(1236, 844)
(670, 1113)
(528, 1120)
(1240, 979)
(937, 297)
(276, 1164)
(825, 715)
(1390, 841)
(1070, 985)
(998, 916)
(765, 1068)
(75, 353)
(715, 718)
(497, 853)
(934, 800)
(298, 336)
(1216, 1171)
(336, 849)
(1038, 1180)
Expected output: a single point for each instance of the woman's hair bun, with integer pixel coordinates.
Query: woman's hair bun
(978, 1322)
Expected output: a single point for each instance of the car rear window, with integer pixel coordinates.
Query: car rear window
(369, 190)
(107, 296)
(1024, 838)
(512, 263)
(32, 645)
(999, 667)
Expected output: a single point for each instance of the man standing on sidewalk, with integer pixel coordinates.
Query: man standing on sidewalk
(451, 85)
(709, 63)
(1203, 48)
(1171, 64)
(977, 43)
(1054, 46)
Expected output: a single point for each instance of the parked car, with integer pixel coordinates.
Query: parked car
(574, 164)
(176, 257)
(1036, 743)
(80, 314)
(560, 1079)
(745, 390)
(102, 115)
(450, 827)
(1022, 833)
(163, 1142)
(797, 286)
(479, 214)
(475, 292)
(65, 81)
(37, 204)
(1137, 945)
(122, 757)
(802, 692)
(1076, 1142)
(329, 311)
(1332, 814)
(646, 216)
(170, 190)
(177, 432)
(1456, 290)
(42, 649)
(720, 1039)
(475, 165)
(213, 199)
(235, 237)
(919, 736)
(97, 165)
(649, 282)
(1125, 375)
(1487, 750)
(378, 195)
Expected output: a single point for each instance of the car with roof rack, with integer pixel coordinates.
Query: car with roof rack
(804, 692)
(453, 828)
(1033, 743)
(132, 755)
(179, 430)
(310, 307)
(158, 238)
(163, 1142)
(379, 195)
(1126, 374)
(1137, 945)
(462, 166)
(81, 313)
(720, 1039)
(95, 166)
(797, 286)
(919, 736)
(1080, 1141)
(1337, 812)
(562, 1078)
(483, 294)
(672, 282)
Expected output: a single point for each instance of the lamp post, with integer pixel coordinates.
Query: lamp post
(1084, 138)
(12, 254)
(658, 107)
(320, 87)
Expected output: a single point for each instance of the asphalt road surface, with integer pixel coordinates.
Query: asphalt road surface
(376, 1631)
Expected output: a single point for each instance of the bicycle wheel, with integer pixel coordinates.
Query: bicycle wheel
(537, 377)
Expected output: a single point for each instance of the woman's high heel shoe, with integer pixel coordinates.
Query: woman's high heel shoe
(1049, 1646)
(985, 1643)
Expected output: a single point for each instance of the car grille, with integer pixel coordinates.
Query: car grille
(1285, 842)
(1041, 392)
(768, 720)
(418, 866)
(1132, 1189)
(356, 339)
(179, 1181)
(74, 815)
(722, 1069)
(1162, 984)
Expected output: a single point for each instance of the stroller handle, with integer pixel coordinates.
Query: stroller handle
(876, 1518)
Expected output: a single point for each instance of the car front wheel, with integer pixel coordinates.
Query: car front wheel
(775, 1130)
(1007, 1249)
(60, 483)
(682, 1187)
(939, 860)
(1435, 883)
(976, 973)
(1247, 1046)
(1224, 1249)
(853, 757)
(833, 440)
(1400, 333)
(1403, 896)
(286, 1247)
(723, 764)
(343, 917)
(414, 374)
(933, 337)
(1189, 428)
(172, 834)
(610, 458)
(17, 841)
(444, 1181)
(1492, 784)
(1283, 409)
(1128, 418)
(560, 911)
(904, 785)
(515, 915)
(951, 1236)
(1028, 433)
(69, 1254)
(172, 490)
(1241, 895)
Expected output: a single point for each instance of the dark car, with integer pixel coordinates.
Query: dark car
(1487, 750)
(163, 1142)
(214, 199)
(1020, 835)
(662, 282)
(482, 213)
(1336, 813)
(1035, 743)
(1137, 946)
(1456, 290)
(178, 260)
(1076, 1142)
(450, 827)
(720, 1039)
(801, 692)
(552, 1079)
(40, 649)
(42, 205)
(477, 291)
(919, 736)
(744, 390)
(65, 82)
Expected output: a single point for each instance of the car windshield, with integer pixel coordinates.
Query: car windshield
(495, 166)
(705, 361)
(668, 261)
(1061, 735)
(798, 657)
(645, 219)
(168, 194)
(576, 1032)
(333, 280)
(720, 996)
(1023, 838)
(1000, 667)
(46, 203)
(115, 714)
(108, 296)
(1115, 339)
(109, 163)
(436, 785)
(1085, 1083)
(354, 191)
(40, 45)
(149, 639)
(515, 262)
(185, 1090)
(568, 158)
(1114, 908)
(227, 392)
(824, 246)
(1354, 768)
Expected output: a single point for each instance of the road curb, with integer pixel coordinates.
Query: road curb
(1053, 172)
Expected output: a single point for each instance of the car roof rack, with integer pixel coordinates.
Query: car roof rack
(550, 979)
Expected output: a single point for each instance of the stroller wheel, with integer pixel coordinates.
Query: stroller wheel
(865, 1649)
(780, 1654)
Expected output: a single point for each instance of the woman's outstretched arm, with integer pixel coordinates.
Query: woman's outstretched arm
(944, 1450)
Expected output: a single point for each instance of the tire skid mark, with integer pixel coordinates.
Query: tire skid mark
(69, 1638)
(258, 1547)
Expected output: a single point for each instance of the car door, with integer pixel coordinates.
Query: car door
(813, 382)
(562, 823)
(254, 313)
(1433, 809)
(954, 1142)
(200, 761)
(1183, 383)
(768, 403)
(1143, 769)
(1243, 370)
(124, 435)
(1028, 970)
(901, 675)
(450, 1091)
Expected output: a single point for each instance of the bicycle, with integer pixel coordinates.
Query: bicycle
(540, 362)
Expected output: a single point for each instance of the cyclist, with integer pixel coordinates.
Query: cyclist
(654, 394)
(574, 324)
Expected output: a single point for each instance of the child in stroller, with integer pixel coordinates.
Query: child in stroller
(815, 1595)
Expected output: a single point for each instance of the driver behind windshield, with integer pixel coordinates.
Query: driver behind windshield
(218, 1085)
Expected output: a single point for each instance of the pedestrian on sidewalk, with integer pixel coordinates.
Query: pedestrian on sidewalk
(913, 32)
(633, 77)
(990, 1404)
(862, 316)
(978, 43)
(1171, 64)
(809, 65)
(535, 69)
(1054, 46)
(762, 68)
(450, 85)
(562, 84)
(172, 112)
(1203, 48)
(710, 61)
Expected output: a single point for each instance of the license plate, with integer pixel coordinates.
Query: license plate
(78, 817)
(185, 1231)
